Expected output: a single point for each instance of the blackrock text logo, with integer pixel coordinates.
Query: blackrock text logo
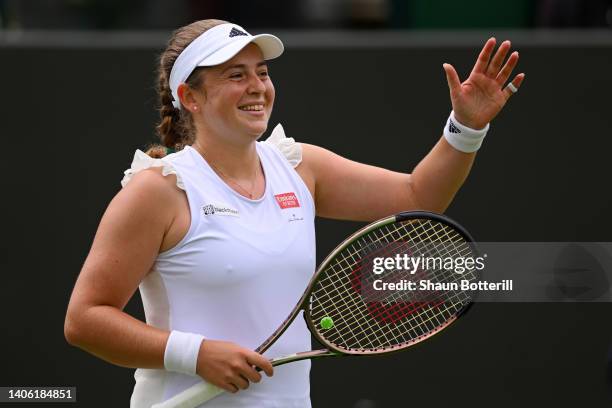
(214, 209)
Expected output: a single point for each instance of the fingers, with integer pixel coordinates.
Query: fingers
(516, 83)
(230, 366)
(454, 84)
(229, 387)
(250, 373)
(501, 76)
(232, 380)
(485, 55)
(240, 374)
(227, 384)
(234, 384)
(498, 58)
(504, 74)
(243, 370)
(240, 382)
(257, 360)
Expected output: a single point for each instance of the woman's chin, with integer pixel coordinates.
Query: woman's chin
(257, 129)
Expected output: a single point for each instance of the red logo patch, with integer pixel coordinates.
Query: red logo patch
(287, 200)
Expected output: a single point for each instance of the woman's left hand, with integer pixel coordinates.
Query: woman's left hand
(483, 95)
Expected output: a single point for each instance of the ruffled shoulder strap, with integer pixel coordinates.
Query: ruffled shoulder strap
(286, 145)
(143, 161)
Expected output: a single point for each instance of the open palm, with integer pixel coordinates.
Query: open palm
(482, 96)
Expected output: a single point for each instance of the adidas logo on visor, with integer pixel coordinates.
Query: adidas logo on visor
(235, 32)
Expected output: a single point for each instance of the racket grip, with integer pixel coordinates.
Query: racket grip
(192, 397)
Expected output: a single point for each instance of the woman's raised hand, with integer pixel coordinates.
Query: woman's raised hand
(482, 96)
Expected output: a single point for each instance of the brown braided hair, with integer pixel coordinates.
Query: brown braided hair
(175, 128)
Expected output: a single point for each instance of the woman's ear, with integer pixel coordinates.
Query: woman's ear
(188, 99)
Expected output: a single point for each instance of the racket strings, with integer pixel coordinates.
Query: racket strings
(344, 259)
(365, 324)
(418, 323)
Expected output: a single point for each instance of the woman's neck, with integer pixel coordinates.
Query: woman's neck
(238, 161)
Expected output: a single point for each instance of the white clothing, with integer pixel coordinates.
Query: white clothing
(237, 273)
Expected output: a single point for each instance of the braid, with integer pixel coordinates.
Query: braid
(169, 129)
(175, 128)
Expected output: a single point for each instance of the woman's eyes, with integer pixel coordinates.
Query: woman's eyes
(240, 75)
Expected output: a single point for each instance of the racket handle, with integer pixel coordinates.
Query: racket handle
(201, 392)
(192, 396)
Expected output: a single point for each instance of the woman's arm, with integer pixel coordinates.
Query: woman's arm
(124, 249)
(136, 226)
(344, 189)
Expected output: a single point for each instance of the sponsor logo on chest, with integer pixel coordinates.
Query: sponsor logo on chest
(219, 209)
(287, 200)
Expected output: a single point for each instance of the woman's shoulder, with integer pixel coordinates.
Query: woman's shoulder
(157, 173)
(151, 190)
(150, 199)
(153, 184)
(287, 146)
(297, 154)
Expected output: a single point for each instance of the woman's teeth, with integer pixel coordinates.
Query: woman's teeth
(251, 108)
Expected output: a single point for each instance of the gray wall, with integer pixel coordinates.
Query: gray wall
(73, 113)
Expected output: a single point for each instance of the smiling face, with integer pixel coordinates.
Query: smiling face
(237, 96)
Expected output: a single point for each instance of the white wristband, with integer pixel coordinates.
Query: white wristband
(182, 351)
(461, 137)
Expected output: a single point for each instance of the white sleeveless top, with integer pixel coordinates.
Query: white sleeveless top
(237, 273)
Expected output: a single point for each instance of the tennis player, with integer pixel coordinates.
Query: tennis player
(218, 235)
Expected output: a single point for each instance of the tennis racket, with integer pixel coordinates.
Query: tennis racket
(348, 313)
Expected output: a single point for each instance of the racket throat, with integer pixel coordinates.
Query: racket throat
(303, 356)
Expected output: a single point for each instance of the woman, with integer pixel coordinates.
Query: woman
(210, 233)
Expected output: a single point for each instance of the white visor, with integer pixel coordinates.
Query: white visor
(216, 46)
